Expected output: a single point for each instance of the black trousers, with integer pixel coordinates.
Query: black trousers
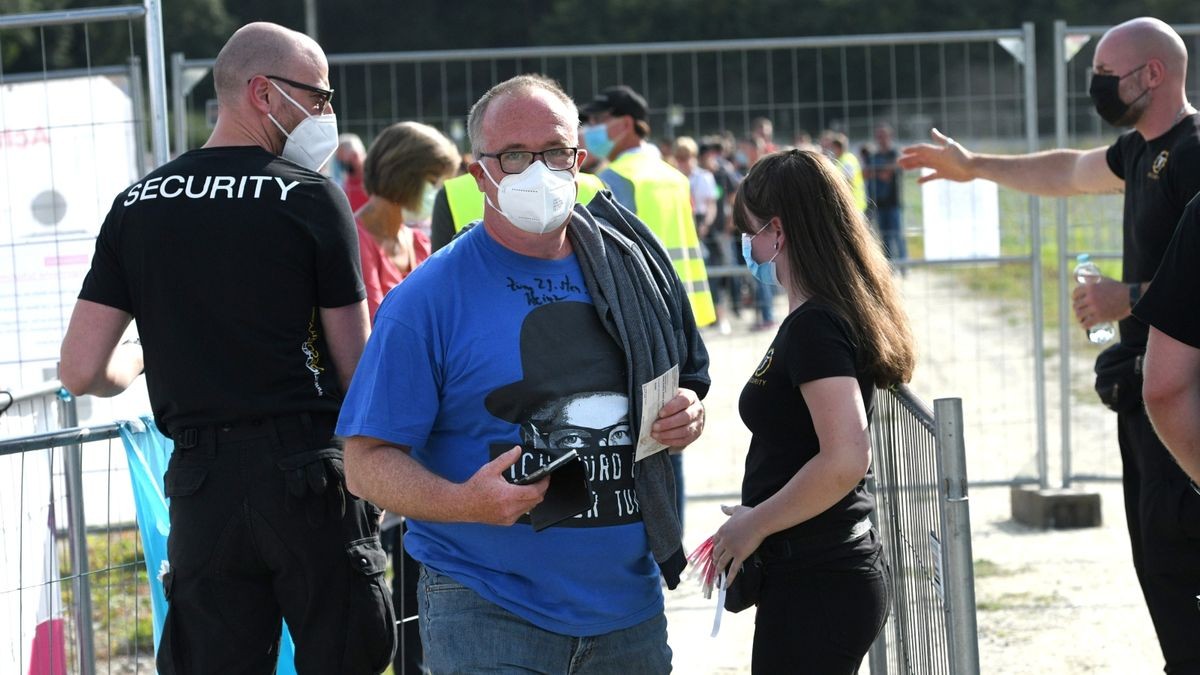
(249, 547)
(819, 619)
(1162, 512)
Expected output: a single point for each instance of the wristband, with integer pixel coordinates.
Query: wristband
(1135, 293)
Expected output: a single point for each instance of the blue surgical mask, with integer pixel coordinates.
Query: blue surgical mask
(764, 272)
(595, 137)
(428, 195)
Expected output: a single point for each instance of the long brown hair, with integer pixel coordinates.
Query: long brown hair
(832, 253)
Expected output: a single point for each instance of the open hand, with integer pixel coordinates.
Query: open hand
(944, 156)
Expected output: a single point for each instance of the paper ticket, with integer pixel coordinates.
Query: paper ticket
(655, 395)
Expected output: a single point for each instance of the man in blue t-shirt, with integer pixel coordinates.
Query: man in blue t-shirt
(492, 360)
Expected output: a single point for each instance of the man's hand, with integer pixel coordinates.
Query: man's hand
(495, 501)
(947, 159)
(1105, 300)
(680, 421)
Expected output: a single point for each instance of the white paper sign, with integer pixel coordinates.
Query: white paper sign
(67, 147)
(655, 395)
(962, 220)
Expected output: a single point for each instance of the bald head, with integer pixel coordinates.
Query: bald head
(264, 48)
(1130, 44)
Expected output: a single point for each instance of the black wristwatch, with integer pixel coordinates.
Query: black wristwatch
(1135, 294)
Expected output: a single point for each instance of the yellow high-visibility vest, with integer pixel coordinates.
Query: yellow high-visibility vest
(663, 198)
(858, 186)
(466, 201)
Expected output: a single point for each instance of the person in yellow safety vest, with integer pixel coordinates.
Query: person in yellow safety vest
(658, 193)
(838, 147)
(654, 190)
(460, 203)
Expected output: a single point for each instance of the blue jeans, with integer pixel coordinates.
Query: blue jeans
(464, 633)
(891, 231)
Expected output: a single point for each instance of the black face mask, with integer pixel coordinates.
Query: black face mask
(1105, 91)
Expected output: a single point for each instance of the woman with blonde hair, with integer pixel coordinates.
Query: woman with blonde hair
(803, 527)
(402, 173)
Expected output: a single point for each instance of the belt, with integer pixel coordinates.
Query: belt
(791, 546)
(292, 429)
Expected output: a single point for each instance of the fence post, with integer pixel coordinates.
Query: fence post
(77, 536)
(157, 72)
(958, 561)
(1064, 255)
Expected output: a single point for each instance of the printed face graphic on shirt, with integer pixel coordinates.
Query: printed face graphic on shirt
(572, 397)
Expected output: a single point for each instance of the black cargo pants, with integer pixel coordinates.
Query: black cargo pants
(262, 529)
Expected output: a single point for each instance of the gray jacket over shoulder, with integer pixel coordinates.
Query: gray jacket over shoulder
(644, 306)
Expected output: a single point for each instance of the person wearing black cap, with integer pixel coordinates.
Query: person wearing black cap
(643, 183)
(525, 338)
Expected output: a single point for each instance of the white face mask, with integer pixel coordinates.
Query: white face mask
(536, 200)
(313, 141)
(425, 211)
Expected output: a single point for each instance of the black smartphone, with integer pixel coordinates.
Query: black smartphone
(548, 469)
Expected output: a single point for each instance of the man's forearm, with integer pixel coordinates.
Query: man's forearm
(123, 368)
(1176, 419)
(391, 479)
(1046, 173)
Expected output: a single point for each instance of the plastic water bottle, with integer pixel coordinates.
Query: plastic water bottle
(1086, 272)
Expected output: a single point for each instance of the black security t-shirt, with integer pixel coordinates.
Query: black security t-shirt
(813, 343)
(1172, 301)
(1161, 176)
(223, 256)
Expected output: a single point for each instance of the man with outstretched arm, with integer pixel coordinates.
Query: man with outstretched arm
(1139, 71)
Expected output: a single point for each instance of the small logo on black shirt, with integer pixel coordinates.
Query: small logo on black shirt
(1160, 163)
(763, 367)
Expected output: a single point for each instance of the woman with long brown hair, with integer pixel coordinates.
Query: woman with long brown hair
(804, 519)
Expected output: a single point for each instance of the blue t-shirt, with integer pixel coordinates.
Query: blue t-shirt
(481, 349)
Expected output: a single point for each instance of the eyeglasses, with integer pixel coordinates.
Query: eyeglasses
(516, 161)
(580, 437)
(325, 95)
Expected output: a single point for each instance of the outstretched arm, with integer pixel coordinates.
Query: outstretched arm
(1053, 173)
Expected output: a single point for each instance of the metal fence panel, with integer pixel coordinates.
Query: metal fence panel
(924, 519)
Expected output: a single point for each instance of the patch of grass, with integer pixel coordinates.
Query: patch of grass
(1024, 601)
(988, 568)
(122, 619)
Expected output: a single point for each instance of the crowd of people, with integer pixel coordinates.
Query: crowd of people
(422, 340)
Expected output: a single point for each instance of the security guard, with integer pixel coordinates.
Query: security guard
(657, 192)
(239, 263)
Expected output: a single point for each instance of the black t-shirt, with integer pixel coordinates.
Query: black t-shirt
(1161, 176)
(1170, 304)
(223, 257)
(813, 343)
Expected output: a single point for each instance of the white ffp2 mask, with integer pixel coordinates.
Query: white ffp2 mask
(536, 200)
(313, 141)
